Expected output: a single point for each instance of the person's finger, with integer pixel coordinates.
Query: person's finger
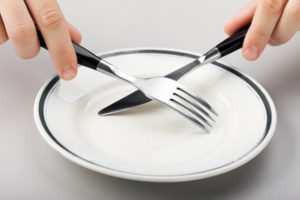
(75, 34)
(3, 34)
(19, 27)
(53, 26)
(288, 24)
(243, 18)
(264, 21)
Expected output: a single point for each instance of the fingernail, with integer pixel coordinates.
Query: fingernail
(251, 53)
(68, 72)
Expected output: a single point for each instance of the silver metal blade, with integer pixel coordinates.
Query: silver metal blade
(132, 100)
(138, 98)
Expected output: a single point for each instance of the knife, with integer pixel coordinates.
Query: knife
(229, 45)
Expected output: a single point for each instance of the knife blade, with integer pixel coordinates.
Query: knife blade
(227, 46)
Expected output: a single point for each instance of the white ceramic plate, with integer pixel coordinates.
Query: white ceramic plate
(152, 142)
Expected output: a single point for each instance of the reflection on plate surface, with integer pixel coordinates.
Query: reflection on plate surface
(152, 142)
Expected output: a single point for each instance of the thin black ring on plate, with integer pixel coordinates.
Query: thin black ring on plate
(260, 93)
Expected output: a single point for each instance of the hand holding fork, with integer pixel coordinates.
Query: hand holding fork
(226, 47)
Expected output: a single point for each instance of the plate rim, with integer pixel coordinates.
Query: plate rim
(159, 178)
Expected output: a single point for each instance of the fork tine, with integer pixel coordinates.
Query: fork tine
(198, 99)
(193, 112)
(196, 106)
(197, 122)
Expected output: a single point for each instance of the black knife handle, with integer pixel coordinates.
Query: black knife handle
(234, 42)
(84, 56)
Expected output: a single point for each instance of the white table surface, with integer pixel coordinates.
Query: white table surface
(30, 169)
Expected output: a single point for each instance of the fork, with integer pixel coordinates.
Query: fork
(167, 91)
(227, 46)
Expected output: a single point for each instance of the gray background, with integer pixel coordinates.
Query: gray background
(30, 169)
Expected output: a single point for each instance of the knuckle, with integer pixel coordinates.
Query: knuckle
(295, 11)
(260, 33)
(50, 18)
(63, 55)
(21, 32)
(273, 5)
(61, 52)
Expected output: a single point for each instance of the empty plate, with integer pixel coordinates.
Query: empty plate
(152, 142)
